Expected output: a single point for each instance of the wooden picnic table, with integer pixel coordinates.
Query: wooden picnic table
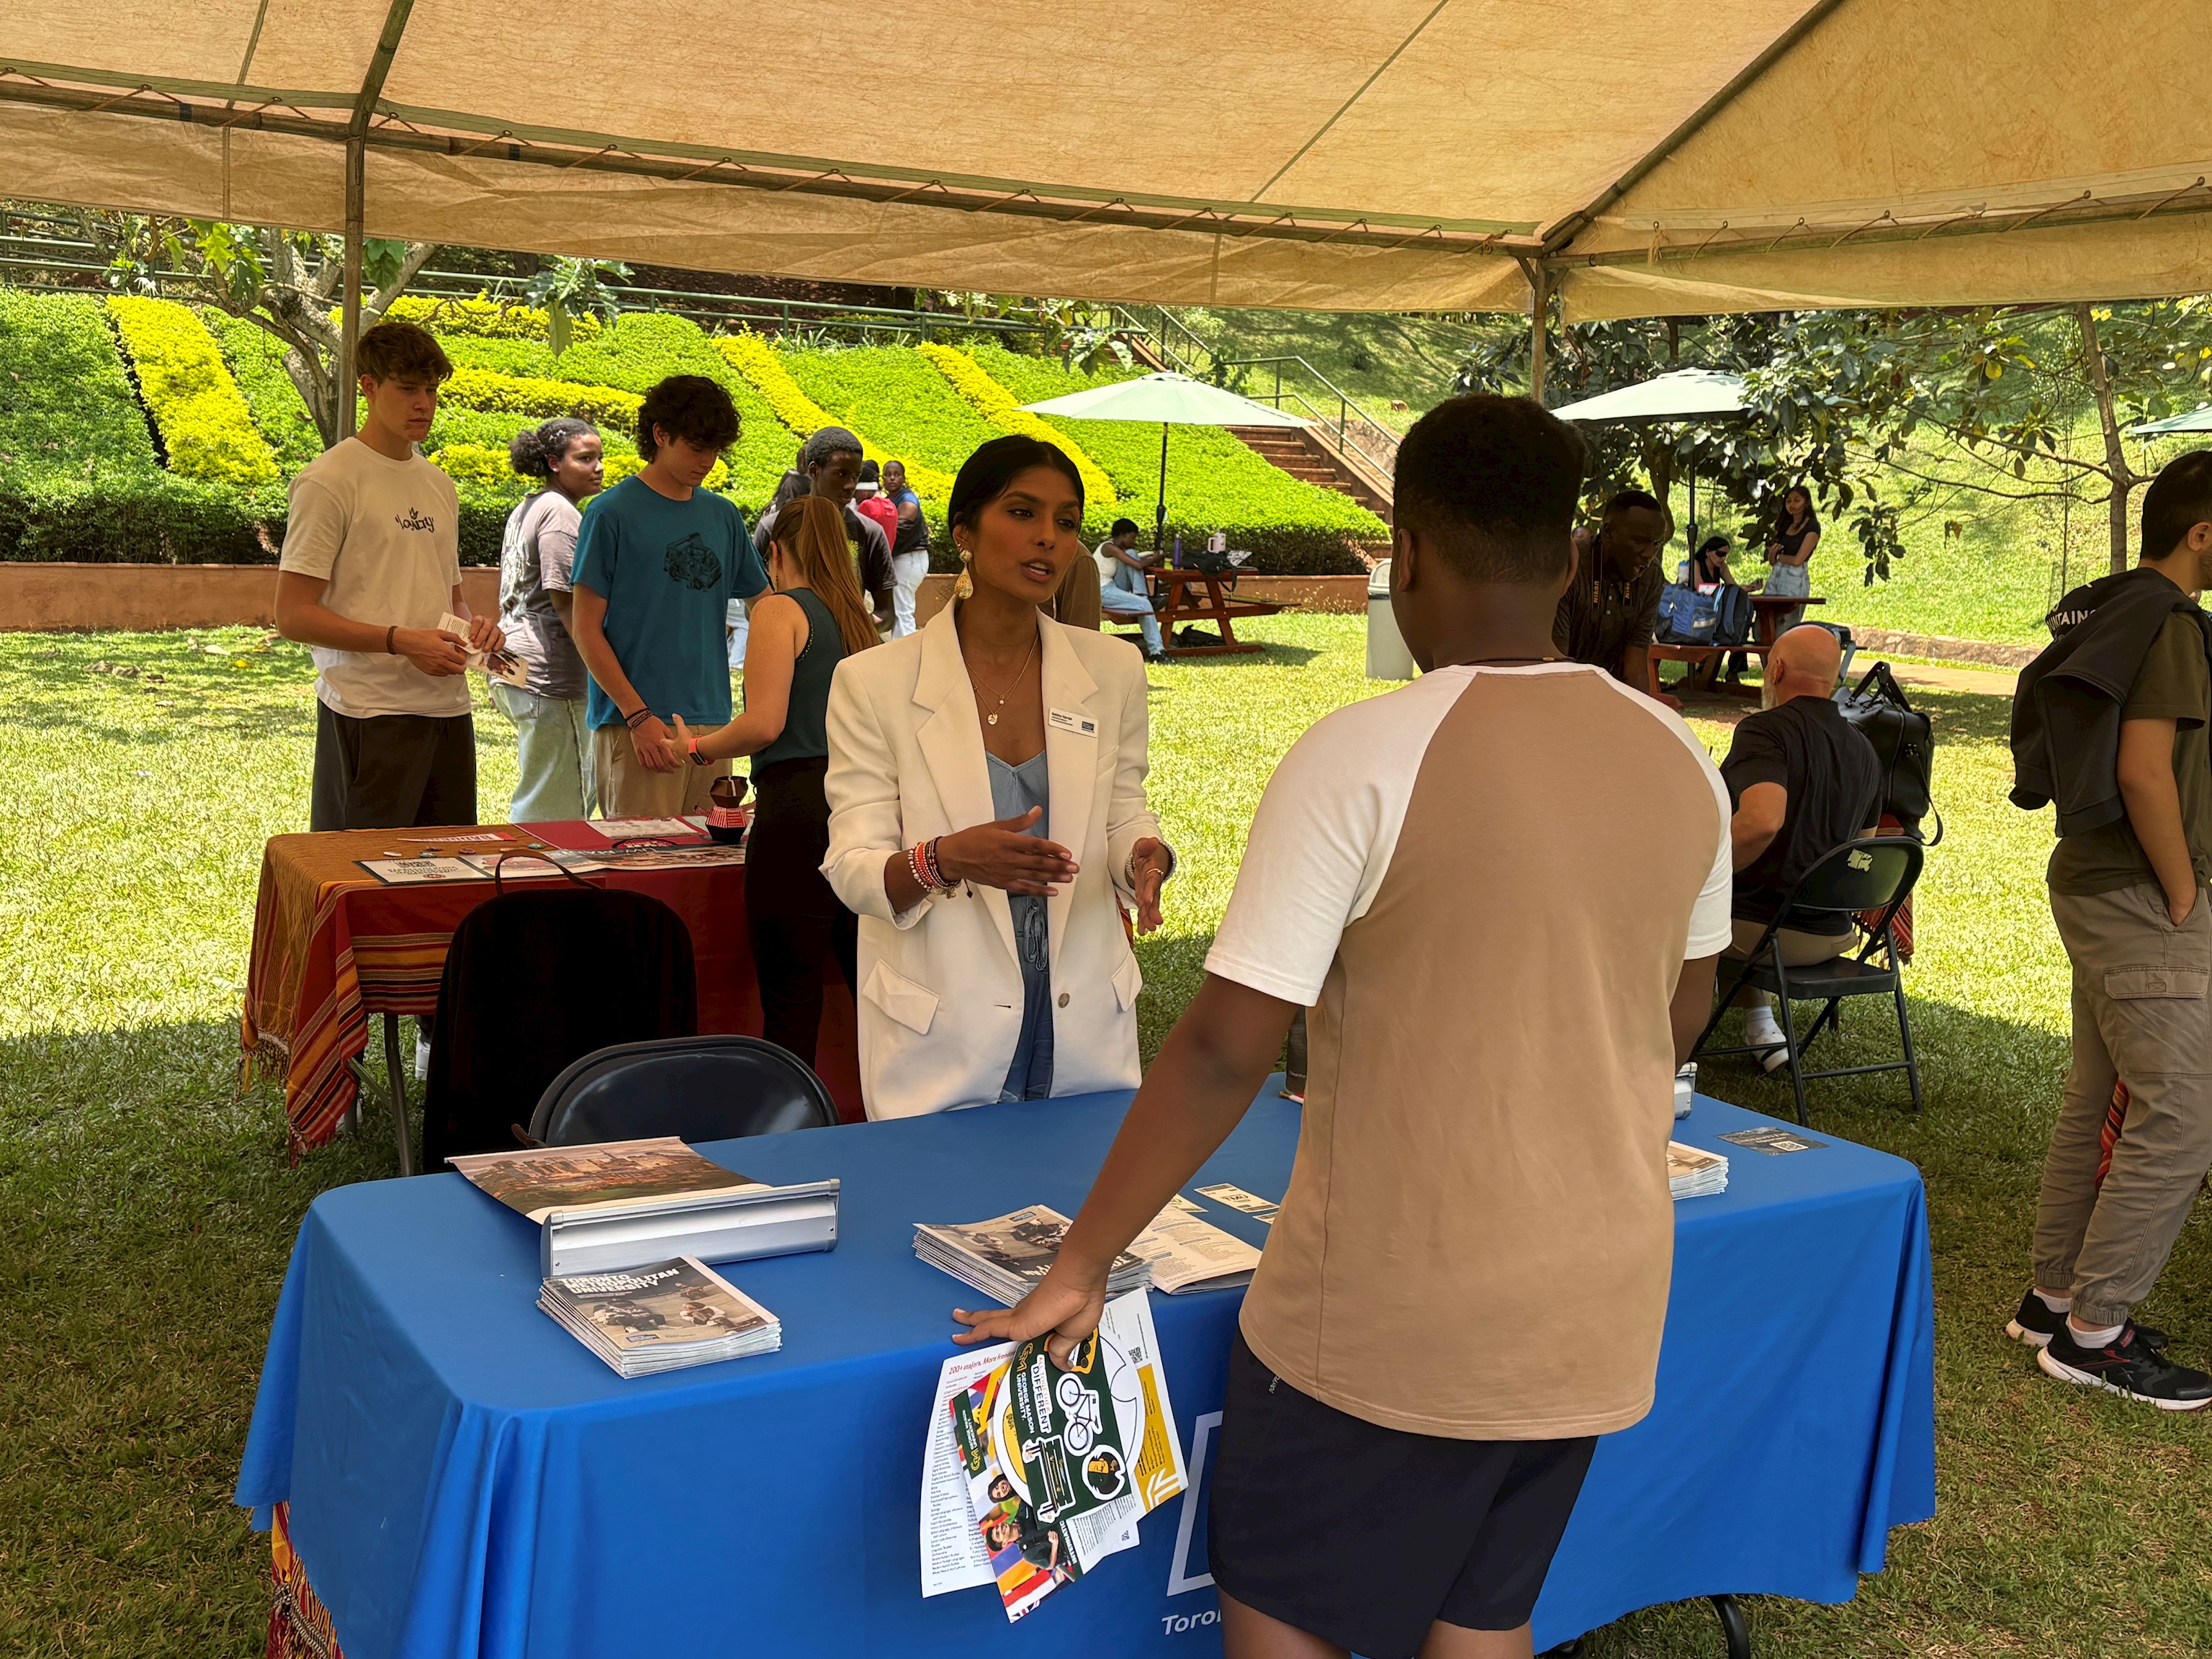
(1766, 610)
(1181, 598)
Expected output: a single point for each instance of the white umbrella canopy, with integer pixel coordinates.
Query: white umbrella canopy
(2197, 419)
(1173, 399)
(1170, 399)
(1685, 394)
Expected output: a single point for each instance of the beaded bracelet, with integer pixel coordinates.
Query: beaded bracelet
(631, 721)
(936, 870)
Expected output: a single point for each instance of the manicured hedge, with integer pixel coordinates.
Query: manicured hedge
(196, 404)
(256, 363)
(1214, 482)
(66, 406)
(515, 394)
(899, 405)
(482, 318)
(998, 406)
(770, 375)
(119, 517)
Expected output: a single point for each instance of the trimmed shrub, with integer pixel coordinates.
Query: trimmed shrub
(138, 517)
(489, 468)
(755, 359)
(66, 406)
(482, 318)
(900, 406)
(256, 363)
(197, 406)
(1214, 482)
(997, 405)
(515, 394)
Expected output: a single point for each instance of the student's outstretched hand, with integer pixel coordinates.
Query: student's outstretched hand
(1062, 1305)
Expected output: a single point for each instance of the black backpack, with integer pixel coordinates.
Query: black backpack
(1732, 616)
(1903, 741)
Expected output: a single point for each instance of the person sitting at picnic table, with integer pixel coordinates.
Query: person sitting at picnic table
(1608, 614)
(1121, 592)
(1789, 550)
(1801, 781)
(1709, 567)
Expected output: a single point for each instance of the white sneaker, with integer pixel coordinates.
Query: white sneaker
(1764, 1036)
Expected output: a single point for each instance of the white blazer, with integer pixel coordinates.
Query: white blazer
(941, 1003)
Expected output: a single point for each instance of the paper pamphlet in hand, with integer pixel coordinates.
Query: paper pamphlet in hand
(1034, 1474)
(545, 1179)
(502, 666)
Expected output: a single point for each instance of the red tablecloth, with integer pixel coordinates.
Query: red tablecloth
(332, 945)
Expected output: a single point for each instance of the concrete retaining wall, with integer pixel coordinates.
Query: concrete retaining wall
(52, 598)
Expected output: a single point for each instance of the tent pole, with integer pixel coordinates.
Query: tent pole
(348, 375)
(1160, 512)
(1539, 305)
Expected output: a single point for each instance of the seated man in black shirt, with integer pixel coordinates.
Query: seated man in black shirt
(1803, 781)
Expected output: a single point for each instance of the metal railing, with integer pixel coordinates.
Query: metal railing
(1350, 430)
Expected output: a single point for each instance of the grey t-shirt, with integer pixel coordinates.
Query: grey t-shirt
(535, 557)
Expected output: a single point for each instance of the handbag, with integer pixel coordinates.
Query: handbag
(1903, 742)
(1685, 616)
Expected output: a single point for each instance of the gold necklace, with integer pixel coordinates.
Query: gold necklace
(992, 718)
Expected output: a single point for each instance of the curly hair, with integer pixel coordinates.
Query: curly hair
(533, 451)
(402, 351)
(690, 407)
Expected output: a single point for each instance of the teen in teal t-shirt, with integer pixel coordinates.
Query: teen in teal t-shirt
(667, 570)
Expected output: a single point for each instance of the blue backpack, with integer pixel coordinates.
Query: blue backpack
(1687, 616)
(1732, 616)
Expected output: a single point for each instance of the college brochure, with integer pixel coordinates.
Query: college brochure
(502, 666)
(637, 829)
(414, 873)
(1186, 1254)
(1007, 1257)
(661, 1317)
(1773, 1140)
(1260, 1209)
(1034, 1474)
(1694, 1174)
(545, 1179)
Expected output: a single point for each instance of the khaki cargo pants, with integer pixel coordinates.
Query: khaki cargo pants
(629, 790)
(2143, 1010)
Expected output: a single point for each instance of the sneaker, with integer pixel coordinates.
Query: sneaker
(2035, 1325)
(1763, 1036)
(2126, 1368)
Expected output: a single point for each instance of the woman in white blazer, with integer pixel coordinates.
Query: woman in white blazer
(988, 819)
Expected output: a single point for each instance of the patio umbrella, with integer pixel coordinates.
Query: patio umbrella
(2197, 419)
(1170, 399)
(1682, 394)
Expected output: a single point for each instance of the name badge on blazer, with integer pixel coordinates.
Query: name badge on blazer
(1060, 720)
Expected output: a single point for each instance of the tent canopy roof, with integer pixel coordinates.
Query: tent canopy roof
(1658, 156)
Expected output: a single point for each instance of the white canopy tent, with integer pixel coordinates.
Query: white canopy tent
(1635, 156)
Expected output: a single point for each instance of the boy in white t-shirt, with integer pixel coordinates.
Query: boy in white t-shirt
(1468, 1280)
(371, 561)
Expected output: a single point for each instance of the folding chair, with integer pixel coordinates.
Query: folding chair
(699, 1088)
(1874, 875)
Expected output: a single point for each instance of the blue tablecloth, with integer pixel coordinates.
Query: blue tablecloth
(466, 1480)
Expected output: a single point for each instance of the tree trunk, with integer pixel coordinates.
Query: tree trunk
(2116, 454)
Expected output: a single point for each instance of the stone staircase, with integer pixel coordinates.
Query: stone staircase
(1303, 454)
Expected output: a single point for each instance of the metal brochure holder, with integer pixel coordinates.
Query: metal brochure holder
(734, 1226)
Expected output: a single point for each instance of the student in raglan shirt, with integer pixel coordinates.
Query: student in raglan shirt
(371, 561)
(1466, 1281)
(658, 561)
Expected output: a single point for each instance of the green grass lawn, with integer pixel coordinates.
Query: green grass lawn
(148, 1210)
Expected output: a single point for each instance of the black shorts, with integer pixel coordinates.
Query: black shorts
(1366, 1536)
(392, 771)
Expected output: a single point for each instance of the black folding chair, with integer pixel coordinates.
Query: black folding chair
(701, 1088)
(1872, 876)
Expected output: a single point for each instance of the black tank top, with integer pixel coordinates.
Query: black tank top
(805, 734)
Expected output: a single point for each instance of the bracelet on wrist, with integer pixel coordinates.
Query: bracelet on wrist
(692, 749)
(936, 870)
(631, 721)
(390, 635)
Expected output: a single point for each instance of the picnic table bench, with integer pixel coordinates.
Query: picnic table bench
(1181, 598)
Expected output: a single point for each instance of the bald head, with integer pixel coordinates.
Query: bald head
(1804, 663)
